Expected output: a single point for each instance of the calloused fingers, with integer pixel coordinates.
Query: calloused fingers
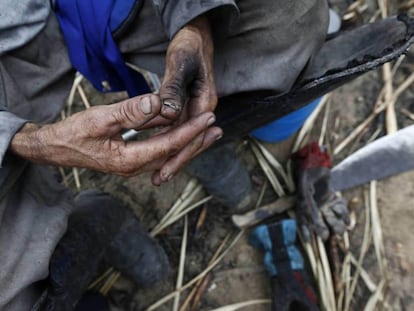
(155, 122)
(174, 164)
(132, 113)
(140, 153)
(158, 123)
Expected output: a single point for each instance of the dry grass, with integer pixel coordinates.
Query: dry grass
(194, 281)
(180, 275)
(240, 305)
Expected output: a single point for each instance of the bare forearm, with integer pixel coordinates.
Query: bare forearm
(28, 144)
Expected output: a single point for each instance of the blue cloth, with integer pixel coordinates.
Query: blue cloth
(261, 239)
(120, 12)
(285, 127)
(86, 26)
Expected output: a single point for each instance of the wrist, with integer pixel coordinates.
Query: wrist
(201, 26)
(28, 144)
(201, 23)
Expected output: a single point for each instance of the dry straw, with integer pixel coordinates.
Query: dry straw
(210, 267)
(180, 275)
(379, 107)
(240, 305)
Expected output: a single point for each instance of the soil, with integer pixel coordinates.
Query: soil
(241, 276)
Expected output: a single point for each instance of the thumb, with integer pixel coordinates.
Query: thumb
(133, 113)
(173, 90)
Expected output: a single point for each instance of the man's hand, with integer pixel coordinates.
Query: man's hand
(92, 139)
(188, 87)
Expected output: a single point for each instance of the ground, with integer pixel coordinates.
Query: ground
(240, 276)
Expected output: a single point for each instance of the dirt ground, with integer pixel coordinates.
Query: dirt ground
(241, 275)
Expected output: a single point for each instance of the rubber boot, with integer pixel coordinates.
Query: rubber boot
(224, 176)
(99, 226)
(136, 255)
(92, 301)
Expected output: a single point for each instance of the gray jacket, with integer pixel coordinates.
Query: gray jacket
(20, 21)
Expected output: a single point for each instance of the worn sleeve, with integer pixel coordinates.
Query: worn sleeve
(177, 13)
(9, 125)
(21, 21)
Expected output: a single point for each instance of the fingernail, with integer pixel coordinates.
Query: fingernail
(170, 177)
(146, 105)
(218, 137)
(211, 120)
(171, 105)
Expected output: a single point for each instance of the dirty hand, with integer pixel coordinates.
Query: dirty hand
(92, 139)
(188, 87)
(318, 208)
